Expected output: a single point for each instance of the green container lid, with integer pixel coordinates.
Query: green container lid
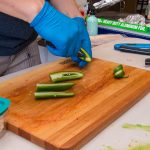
(4, 104)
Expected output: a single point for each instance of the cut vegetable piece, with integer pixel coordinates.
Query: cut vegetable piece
(64, 76)
(47, 95)
(54, 87)
(136, 126)
(119, 67)
(119, 72)
(83, 55)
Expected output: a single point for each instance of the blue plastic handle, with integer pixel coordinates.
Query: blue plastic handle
(4, 104)
(132, 45)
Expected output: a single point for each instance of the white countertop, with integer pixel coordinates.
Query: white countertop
(114, 135)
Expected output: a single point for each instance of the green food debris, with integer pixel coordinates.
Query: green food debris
(104, 147)
(142, 147)
(110, 148)
(119, 72)
(139, 147)
(136, 126)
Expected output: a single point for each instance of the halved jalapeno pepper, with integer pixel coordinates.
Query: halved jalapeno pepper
(83, 55)
(48, 95)
(54, 87)
(64, 76)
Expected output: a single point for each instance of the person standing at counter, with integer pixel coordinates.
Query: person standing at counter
(58, 22)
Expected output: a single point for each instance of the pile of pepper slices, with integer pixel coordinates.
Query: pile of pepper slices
(58, 88)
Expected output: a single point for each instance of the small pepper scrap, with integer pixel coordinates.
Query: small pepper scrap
(119, 72)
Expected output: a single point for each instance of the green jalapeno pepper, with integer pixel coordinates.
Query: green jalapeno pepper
(64, 76)
(119, 67)
(83, 55)
(54, 87)
(119, 72)
(48, 95)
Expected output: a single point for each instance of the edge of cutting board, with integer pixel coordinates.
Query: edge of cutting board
(74, 145)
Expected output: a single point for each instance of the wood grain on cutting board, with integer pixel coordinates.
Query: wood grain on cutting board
(69, 123)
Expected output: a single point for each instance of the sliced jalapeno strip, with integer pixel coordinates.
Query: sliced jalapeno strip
(54, 87)
(47, 95)
(64, 76)
(119, 72)
(83, 55)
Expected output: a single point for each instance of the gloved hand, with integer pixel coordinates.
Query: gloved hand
(85, 41)
(60, 30)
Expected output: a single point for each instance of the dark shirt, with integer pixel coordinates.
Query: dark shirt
(15, 34)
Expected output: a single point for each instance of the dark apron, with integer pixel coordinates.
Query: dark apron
(15, 35)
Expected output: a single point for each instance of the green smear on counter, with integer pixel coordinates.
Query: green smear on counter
(142, 147)
(104, 147)
(139, 147)
(110, 148)
(137, 126)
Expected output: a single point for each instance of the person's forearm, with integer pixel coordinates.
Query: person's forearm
(68, 7)
(22, 9)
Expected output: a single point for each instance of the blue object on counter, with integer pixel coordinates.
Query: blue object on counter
(4, 104)
(138, 48)
(135, 45)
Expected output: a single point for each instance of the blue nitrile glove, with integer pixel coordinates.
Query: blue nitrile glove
(60, 30)
(85, 41)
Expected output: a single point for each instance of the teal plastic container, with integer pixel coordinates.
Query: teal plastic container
(92, 25)
(4, 105)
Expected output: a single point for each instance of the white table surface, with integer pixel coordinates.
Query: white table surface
(114, 135)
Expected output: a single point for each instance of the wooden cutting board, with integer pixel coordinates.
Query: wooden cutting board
(67, 124)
